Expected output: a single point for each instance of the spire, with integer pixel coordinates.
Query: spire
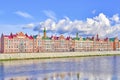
(2, 34)
(11, 34)
(44, 29)
(97, 36)
(77, 35)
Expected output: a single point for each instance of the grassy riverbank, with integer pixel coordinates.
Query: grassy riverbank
(27, 56)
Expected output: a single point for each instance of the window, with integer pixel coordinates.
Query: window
(39, 42)
(80, 44)
(8, 42)
(62, 42)
(116, 45)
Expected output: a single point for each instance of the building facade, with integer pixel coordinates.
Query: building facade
(15, 43)
(22, 43)
(0, 44)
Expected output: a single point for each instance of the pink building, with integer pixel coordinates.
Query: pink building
(0, 44)
(23, 43)
(15, 43)
(62, 44)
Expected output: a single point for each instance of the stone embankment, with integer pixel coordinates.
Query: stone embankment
(18, 56)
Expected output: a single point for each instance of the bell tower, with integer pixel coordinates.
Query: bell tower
(44, 32)
(77, 35)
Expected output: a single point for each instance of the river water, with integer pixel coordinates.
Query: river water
(82, 68)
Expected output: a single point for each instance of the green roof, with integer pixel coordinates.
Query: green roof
(76, 38)
(47, 38)
(35, 36)
(84, 39)
(79, 39)
(111, 39)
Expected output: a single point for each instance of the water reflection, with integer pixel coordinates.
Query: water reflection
(92, 68)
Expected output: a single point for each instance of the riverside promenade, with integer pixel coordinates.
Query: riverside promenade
(19, 56)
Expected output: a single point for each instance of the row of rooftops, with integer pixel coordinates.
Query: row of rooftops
(11, 36)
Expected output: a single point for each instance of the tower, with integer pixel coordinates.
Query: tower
(97, 36)
(77, 35)
(44, 31)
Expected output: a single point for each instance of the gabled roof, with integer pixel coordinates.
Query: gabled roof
(54, 38)
(61, 37)
(30, 37)
(11, 36)
(106, 39)
(88, 38)
(21, 34)
(68, 38)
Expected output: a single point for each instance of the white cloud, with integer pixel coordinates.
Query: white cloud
(27, 26)
(94, 11)
(50, 14)
(23, 14)
(115, 18)
(100, 24)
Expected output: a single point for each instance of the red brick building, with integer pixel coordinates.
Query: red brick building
(15, 43)
(23, 43)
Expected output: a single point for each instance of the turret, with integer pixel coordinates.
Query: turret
(97, 36)
(2, 35)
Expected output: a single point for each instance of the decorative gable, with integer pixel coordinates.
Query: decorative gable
(61, 37)
(39, 37)
(116, 39)
(21, 35)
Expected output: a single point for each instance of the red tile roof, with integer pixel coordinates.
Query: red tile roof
(30, 37)
(11, 36)
(68, 38)
(54, 37)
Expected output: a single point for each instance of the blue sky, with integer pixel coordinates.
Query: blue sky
(61, 17)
